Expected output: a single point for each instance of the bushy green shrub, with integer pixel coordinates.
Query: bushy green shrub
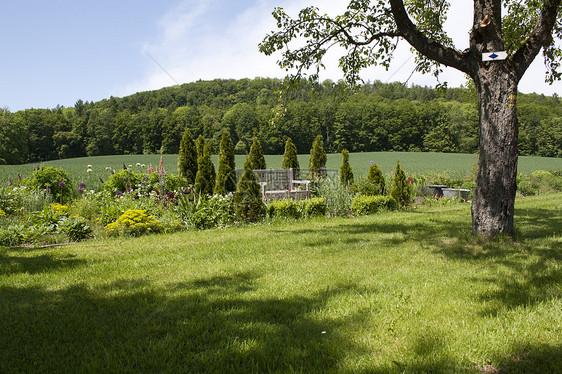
(75, 227)
(12, 235)
(134, 222)
(123, 181)
(362, 205)
(11, 200)
(205, 212)
(538, 182)
(283, 208)
(315, 207)
(54, 181)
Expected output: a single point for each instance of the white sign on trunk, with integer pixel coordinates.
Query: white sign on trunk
(494, 56)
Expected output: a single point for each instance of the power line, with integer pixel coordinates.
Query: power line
(161, 67)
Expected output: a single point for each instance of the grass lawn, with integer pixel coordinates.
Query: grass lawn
(402, 292)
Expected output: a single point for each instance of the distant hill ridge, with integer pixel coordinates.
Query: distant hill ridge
(372, 117)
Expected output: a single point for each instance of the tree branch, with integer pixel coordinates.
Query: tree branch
(427, 47)
(540, 37)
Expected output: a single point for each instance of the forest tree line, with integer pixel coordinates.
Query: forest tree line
(372, 117)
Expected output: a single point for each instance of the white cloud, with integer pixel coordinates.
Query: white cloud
(200, 40)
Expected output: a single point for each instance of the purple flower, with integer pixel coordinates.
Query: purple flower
(80, 191)
(61, 184)
(101, 180)
(118, 193)
(82, 185)
(111, 171)
(9, 182)
(371, 162)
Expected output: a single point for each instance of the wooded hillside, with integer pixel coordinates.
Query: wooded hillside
(374, 117)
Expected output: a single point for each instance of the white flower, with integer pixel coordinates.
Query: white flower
(90, 166)
(88, 170)
(138, 164)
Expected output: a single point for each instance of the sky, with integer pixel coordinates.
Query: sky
(56, 52)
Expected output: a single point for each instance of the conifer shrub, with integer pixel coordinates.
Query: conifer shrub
(206, 176)
(256, 158)
(363, 205)
(241, 148)
(346, 174)
(376, 178)
(187, 158)
(290, 158)
(248, 203)
(53, 181)
(373, 185)
(200, 146)
(400, 190)
(226, 174)
(317, 158)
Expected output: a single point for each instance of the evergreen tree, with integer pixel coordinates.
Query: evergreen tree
(205, 178)
(317, 157)
(290, 159)
(346, 174)
(226, 174)
(376, 178)
(248, 203)
(255, 158)
(187, 158)
(200, 145)
(400, 190)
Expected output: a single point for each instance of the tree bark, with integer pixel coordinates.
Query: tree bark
(494, 196)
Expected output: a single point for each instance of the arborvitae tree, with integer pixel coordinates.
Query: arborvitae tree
(400, 190)
(200, 145)
(255, 158)
(205, 178)
(290, 159)
(187, 158)
(376, 178)
(346, 174)
(248, 203)
(317, 157)
(226, 174)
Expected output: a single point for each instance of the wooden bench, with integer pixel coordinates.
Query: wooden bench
(279, 184)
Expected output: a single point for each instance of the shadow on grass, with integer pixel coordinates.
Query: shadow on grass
(210, 325)
(16, 263)
(526, 268)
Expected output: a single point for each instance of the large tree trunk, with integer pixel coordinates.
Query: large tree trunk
(494, 197)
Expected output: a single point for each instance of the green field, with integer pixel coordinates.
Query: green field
(457, 165)
(402, 292)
